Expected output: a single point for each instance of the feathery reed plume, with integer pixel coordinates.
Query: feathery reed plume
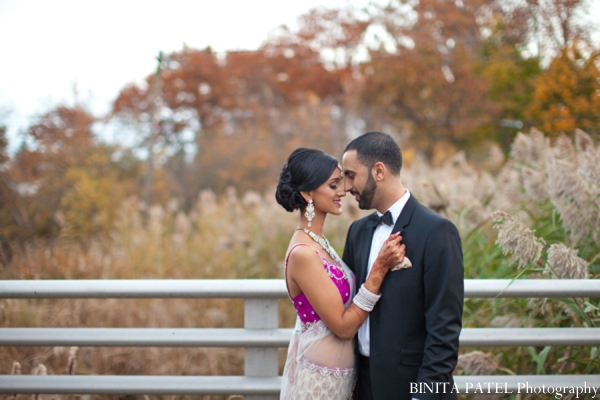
(16, 368)
(474, 213)
(583, 141)
(574, 203)
(156, 225)
(3, 316)
(589, 170)
(251, 199)
(181, 229)
(40, 370)
(477, 363)
(509, 321)
(207, 202)
(72, 362)
(510, 193)
(432, 197)
(563, 149)
(540, 307)
(496, 157)
(589, 159)
(531, 149)
(517, 239)
(535, 184)
(563, 263)
(217, 317)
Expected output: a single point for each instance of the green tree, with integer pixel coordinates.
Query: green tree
(510, 80)
(13, 228)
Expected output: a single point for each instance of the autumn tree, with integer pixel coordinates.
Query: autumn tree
(439, 74)
(341, 38)
(13, 228)
(71, 184)
(242, 109)
(548, 27)
(59, 139)
(283, 97)
(567, 94)
(421, 81)
(96, 188)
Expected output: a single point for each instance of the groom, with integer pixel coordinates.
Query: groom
(411, 336)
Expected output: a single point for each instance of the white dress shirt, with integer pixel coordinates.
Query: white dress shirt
(382, 232)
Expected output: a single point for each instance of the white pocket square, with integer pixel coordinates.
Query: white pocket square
(404, 264)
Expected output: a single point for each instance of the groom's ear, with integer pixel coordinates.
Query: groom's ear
(379, 171)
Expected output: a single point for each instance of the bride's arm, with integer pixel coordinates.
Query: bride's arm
(305, 269)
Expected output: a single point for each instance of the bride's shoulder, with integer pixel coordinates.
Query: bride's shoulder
(302, 253)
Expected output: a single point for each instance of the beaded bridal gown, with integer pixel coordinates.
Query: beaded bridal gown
(320, 365)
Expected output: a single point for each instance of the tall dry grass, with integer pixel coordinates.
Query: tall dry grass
(550, 229)
(527, 203)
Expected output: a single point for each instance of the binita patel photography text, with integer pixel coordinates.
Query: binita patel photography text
(558, 392)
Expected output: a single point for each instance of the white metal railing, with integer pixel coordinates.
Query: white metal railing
(261, 336)
(263, 288)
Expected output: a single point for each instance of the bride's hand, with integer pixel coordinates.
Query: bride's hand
(392, 252)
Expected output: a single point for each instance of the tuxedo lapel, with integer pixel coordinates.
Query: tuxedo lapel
(365, 239)
(406, 214)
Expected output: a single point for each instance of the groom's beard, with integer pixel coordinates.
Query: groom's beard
(365, 199)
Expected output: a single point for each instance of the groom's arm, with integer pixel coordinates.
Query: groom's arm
(444, 295)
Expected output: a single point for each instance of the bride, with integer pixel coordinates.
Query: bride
(321, 363)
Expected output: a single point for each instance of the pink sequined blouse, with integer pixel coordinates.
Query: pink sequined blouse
(303, 307)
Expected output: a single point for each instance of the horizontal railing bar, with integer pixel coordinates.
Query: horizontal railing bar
(265, 288)
(139, 384)
(224, 385)
(143, 288)
(538, 288)
(239, 337)
(505, 337)
(145, 337)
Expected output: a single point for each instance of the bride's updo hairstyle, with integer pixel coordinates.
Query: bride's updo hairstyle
(306, 170)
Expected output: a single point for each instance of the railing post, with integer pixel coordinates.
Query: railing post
(261, 313)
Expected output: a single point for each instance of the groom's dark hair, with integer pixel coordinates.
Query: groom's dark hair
(374, 147)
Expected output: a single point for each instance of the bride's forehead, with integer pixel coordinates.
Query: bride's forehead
(336, 174)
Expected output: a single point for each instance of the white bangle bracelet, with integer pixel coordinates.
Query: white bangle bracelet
(365, 300)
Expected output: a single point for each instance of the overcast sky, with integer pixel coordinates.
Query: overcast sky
(50, 48)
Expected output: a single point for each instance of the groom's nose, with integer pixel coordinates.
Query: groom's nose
(347, 185)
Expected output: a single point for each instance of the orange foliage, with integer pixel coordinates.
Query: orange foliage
(567, 94)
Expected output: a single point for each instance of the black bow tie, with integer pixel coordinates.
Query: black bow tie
(386, 218)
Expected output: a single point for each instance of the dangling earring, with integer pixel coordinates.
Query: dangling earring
(310, 212)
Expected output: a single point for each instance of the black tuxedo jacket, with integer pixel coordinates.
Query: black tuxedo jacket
(414, 327)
